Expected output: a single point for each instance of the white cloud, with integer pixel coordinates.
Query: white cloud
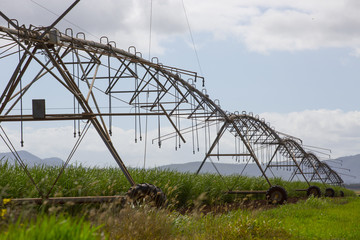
(49, 141)
(125, 22)
(263, 25)
(332, 129)
(281, 25)
(301, 29)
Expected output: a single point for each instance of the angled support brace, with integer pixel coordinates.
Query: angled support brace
(172, 123)
(219, 135)
(9, 20)
(58, 19)
(295, 162)
(95, 122)
(248, 147)
(14, 81)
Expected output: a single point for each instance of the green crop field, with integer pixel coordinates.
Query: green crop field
(190, 213)
(181, 189)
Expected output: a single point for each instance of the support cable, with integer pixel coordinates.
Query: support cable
(8, 49)
(147, 95)
(64, 19)
(197, 134)
(192, 126)
(110, 103)
(205, 135)
(136, 107)
(236, 150)
(176, 116)
(146, 130)
(77, 144)
(192, 39)
(217, 170)
(179, 118)
(208, 126)
(150, 31)
(137, 101)
(179, 125)
(74, 99)
(78, 85)
(159, 123)
(12, 149)
(21, 102)
(217, 130)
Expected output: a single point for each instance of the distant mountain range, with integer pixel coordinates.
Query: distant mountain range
(347, 167)
(30, 160)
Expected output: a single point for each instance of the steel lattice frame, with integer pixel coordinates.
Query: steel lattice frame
(281, 151)
(153, 89)
(92, 71)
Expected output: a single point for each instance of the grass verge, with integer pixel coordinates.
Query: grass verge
(319, 218)
(315, 218)
(51, 227)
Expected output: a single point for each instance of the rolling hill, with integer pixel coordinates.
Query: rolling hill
(30, 159)
(348, 168)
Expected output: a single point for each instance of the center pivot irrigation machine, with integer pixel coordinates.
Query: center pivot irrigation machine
(88, 73)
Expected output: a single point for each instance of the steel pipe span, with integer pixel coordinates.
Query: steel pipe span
(153, 90)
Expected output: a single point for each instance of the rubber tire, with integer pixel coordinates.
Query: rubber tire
(276, 195)
(341, 193)
(313, 190)
(329, 192)
(146, 193)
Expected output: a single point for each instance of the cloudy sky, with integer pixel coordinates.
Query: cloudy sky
(295, 63)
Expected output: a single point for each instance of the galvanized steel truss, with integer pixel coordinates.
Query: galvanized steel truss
(88, 69)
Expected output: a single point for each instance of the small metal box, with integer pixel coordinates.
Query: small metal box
(38, 108)
(54, 36)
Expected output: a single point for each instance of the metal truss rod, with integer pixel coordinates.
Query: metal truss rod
(14, 81)
(95, 47)
(87, 109)
(215, 142)
(58, 19)
(228, 155)
(173, 124)
(57, 117)
(9, 20)
(76, 145)
(248, 147)
(42, 64)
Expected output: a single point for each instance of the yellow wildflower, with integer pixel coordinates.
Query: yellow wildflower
(6, 200)
(3, 213)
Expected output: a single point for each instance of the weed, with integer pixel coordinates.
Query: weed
(131, 222)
